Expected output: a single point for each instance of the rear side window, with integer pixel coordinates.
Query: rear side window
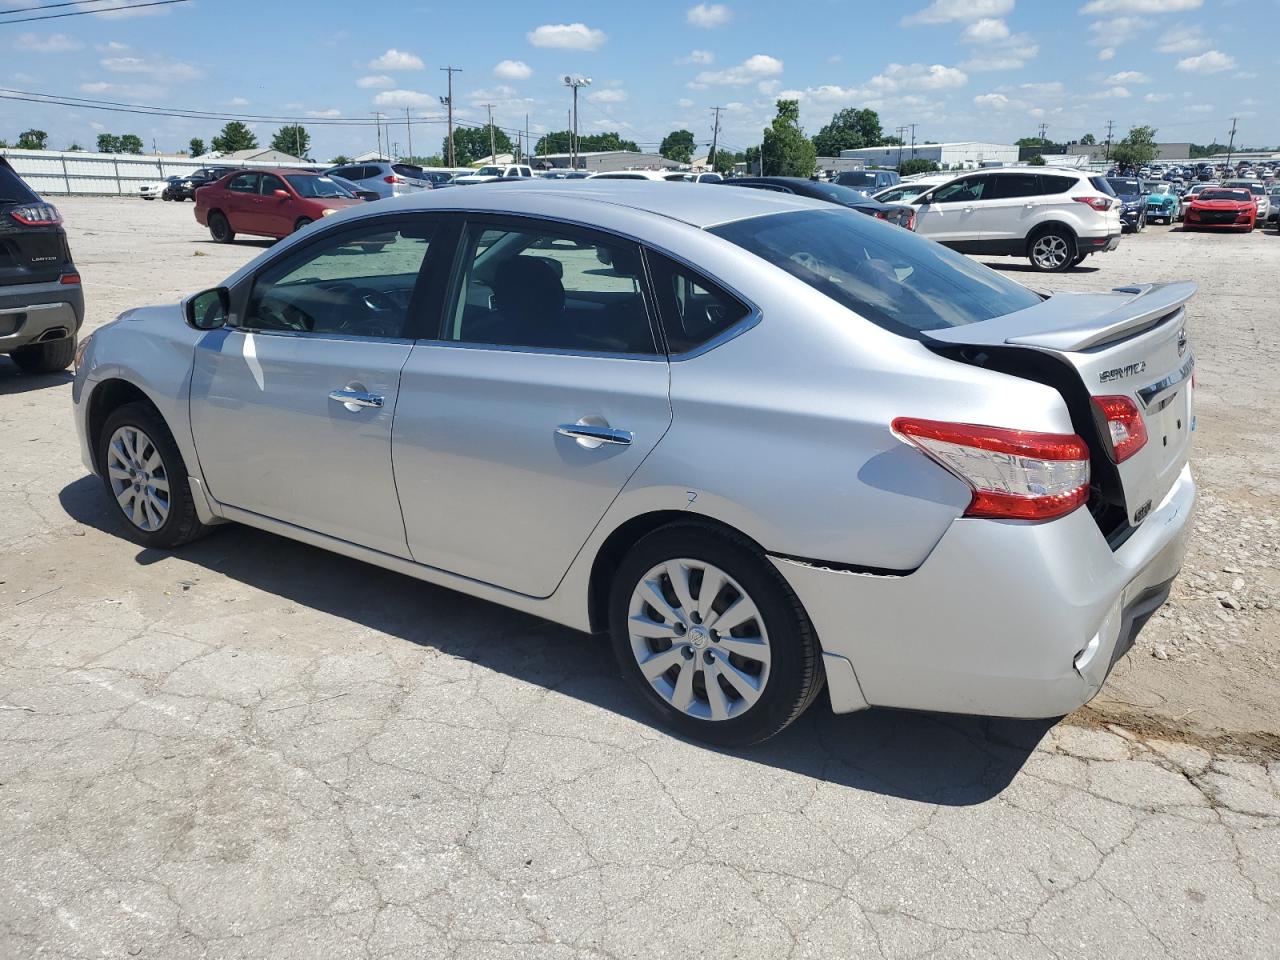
(1052, 184)
(12, 187)
(1010, 186)
(892, 277)
(694, 309)
(245, 183)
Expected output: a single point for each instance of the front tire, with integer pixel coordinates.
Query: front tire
(711, 636)
(1052, 250)
(146, 479)
(302, 223)
(220, 228)
(49, 357)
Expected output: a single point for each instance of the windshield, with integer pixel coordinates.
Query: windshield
(1160, 188)
(489, 172)
(892, 277)
(1123, 185)
(319, 188)
(1240, 195)
(857, 178)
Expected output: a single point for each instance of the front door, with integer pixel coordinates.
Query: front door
(291, 409)
(951, 213)
(275, 214)
(543, 393)
(1013, 204)
(241, 203)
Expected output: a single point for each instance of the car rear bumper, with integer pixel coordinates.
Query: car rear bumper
(31, 312)
(1103, 244)
(1002, 619)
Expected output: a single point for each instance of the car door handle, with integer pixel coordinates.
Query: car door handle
(967, 210)
(591, 435)
(356, 398)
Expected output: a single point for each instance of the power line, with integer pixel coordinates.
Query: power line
(53, 6)
(85, 13)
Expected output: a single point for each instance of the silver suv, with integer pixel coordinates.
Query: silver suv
(384, 179)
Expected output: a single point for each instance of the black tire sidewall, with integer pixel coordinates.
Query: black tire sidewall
(301, 223)
(795, 671)
(224, 234)
(49, 357)
(1066, 235)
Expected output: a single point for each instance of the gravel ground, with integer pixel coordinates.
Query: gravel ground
(256, 749)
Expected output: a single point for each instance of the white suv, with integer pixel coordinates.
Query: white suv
(1054, 217)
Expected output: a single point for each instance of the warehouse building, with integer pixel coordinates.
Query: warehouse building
(601, 161)
(963, 155)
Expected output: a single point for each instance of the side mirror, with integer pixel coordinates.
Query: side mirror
(280, 194)
(209, 310)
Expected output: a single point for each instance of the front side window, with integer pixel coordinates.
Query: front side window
(271, 183)
(550, 287)
(961, 191)
(245, 183)
(357, 283)
(894, 278)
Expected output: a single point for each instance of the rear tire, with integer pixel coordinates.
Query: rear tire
(220, 228)
(47, 357)
(1052, 250)
(168, 516)
(765, 668)
(1080, 258)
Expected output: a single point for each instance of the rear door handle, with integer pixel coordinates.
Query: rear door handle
(355, 398)
(591, 435)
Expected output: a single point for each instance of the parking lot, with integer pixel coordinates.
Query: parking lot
(253, 748)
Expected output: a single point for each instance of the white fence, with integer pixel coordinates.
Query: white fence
(53, 172)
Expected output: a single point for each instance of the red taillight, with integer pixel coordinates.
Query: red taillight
(70, 279)
(880, 215)
(1124, 427)
(1098, 203)
(1014, 474)
(911, 221)
(392, 178)
(36, 215)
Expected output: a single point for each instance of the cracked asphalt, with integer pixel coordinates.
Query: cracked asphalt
(255, 749)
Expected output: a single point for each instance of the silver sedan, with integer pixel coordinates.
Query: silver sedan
(764, 443)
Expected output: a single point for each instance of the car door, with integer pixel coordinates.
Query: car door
(541, 394)
(275, 214)
(949, 213)
(242, 203)
(291, 408)
(1010, 208)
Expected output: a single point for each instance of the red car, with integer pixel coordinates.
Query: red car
(1223, 208)
(268, 203)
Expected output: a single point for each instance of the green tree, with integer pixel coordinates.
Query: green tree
(787, 151)
(195, 147)
(472, 143)
(108, 143)
(431, 161)
(130, 143)
(1137, 148)
(33, 140)
(919, 165)
(558, 142)
(849, 129)
(234, 136)
(292, 139)
(1088, 140)
(75, 148)
(341, 160)
(1199, 151)
(725, 161)
(1036, 161)
(678, 145)
(751, 157)
(1032, 142)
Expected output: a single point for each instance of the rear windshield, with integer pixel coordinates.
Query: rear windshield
(12, 188)
(1123, 185)
(317, 187)
(1101, 183)
(408, 170)
(857, 178)
(892, 277)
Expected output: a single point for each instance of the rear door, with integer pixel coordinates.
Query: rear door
(541, 394)
(242, 204)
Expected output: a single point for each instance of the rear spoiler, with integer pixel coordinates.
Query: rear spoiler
(1070, 323)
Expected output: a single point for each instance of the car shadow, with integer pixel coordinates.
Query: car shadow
(14, 381)
(931, 758)
(1004, 266)
(262, 243)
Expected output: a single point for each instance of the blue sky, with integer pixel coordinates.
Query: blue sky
(958, 69)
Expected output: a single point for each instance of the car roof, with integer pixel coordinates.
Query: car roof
(601, 201)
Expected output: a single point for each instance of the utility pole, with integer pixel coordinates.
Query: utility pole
(715, 138)
(408, 129)
(913, 141)
(1231, 143)
(901, 132)
(448, 102)
(1110, 124)
(377, 123)
(1043, 127)
(493, 147)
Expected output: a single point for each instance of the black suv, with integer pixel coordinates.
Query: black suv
(41, 303)
(184, 188)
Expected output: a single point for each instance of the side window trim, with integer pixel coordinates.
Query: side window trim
(753, 316)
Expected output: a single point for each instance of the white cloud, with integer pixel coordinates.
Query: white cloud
(985, 31)
(608, 96)
(53, 43)
(133, 91)
(750, 70)
(1109, 33)
(1107, 53)
(375, 82)
(395, 59)
(709, 15)
(768, 87)
(158, 67)
(1139, 6)
(513, 70)
(112, 46)
(1112, 93)
(1211, 61)
(1128, 76)
(1181, 39)
(237, 102)
(324, 114)
(1201, 108)
(684, 103)
(1010, 54)
(997, 101)
(567, 36)
(949, 11)
(700, 57)
(404, 98)
(917, 76)
(1157, 97)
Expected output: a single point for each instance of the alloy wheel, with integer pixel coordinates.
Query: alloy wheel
(1050, 252)
(699, 639)
(138, 478)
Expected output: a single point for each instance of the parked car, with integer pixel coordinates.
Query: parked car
(488, 174)
(1162, 202)
(384, 178)
(1132, 193)
(1055, 217)
(1259, 192)
(185, 187)
(1223, 208)
(658, 175)
(687, 176)
(910, 189)
(1184, 202)
(161, 189)
(438, 178)
(868, 181)
(41, 300)
(899, 214)
(919, 509)
(268, 203)
(1273, 202)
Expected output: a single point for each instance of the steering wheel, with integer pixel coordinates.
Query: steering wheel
(284, 316)
(807, 260)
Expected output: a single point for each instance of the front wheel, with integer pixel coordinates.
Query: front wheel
(220, 228)
(302, 222)
(1141, 223)
(1053, 250)
(711, 636)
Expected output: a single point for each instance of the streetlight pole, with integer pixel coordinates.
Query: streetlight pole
(574, 83)
(448, 102)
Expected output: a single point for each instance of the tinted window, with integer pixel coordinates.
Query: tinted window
(859, 178)
(407, 170)
(834, 192)
(1123, 185)
(961, 191)
(245, 183)
(318, 188)
(1052, 184)
(270, 183)
(894, 278)
(550, 287)
(358, 283)
(1010, 186)
(694, 310)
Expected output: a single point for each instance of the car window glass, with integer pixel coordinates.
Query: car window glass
(408, 170)
(960, 191)
(245, 183)
(1051, 184)
(1010, 186)
(356, 283)
(271, 183)
(694, 309)
(552, 288)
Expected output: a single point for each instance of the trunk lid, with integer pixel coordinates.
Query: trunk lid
(28, 254)
(1131, 342)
